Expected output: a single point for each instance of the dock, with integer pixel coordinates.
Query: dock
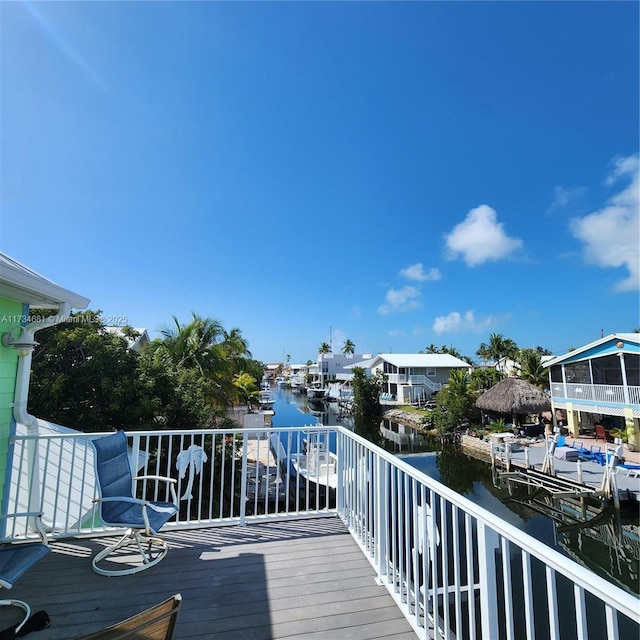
(529, 463)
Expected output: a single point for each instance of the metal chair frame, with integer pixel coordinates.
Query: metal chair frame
(23, 556)
(111, 451)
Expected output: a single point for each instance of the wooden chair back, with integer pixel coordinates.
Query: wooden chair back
(156, 623)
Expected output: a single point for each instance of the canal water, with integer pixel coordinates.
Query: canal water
(609, 546)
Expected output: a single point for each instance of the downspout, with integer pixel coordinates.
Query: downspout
(21, 396)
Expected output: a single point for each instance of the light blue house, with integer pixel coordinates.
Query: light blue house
(600, 382)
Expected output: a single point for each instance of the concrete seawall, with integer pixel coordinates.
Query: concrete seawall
(473, 446)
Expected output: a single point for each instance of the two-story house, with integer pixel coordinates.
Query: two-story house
(600, 382)
(415, 376)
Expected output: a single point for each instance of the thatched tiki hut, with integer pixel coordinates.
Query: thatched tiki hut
(514, 397)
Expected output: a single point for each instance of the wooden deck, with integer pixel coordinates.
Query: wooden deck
(296, 579)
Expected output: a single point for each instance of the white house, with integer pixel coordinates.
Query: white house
(415, 376)
(334, 366)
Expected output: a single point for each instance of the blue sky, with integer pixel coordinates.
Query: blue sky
(398, 174)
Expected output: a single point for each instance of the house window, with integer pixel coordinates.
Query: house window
(431, 372)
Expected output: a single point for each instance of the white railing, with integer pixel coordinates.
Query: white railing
(454, 569)
(425, 381)
(223, 477)
(596, 392)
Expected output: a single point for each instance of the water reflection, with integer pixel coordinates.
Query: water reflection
(606, 542)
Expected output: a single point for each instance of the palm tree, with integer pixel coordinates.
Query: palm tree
(498, 347)
(531, 368)
(191, 346)
(324, 348)
(348, 347)
(458, 382)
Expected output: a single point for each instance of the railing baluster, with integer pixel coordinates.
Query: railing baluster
(382, 500)
(528, 595)
(552, 602)
(487, 544)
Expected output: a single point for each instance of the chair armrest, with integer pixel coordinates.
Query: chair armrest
(37, 520)
(155, 478)
(170, 481)
(123, 499)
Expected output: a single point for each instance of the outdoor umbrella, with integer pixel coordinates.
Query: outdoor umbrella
(514, 396)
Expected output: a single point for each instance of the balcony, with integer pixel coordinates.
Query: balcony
(256, 552)
(596, 394)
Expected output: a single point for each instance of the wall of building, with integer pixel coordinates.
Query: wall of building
(10, 314)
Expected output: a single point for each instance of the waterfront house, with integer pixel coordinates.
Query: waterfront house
(335, 366)
(396, 554)
(412, 377)
(23, 294)
(600, 383)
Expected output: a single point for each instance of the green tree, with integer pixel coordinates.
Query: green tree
(87, 378)
(498, 347)
(348, 347)
(455, 406)
(483, 379)
(366, 392)
(324, 348)
(531, 368)
(247, 389)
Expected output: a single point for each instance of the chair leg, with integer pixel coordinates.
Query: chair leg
(156, 550)
(21, 605)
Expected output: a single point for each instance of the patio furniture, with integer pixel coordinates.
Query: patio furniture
(17, 558)
(120, 508)
(601, 434)
(156, 623)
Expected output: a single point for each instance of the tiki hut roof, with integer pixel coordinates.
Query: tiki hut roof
(513, 395)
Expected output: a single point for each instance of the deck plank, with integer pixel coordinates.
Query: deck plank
(297, 579)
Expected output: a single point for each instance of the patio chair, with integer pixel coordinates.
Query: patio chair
(120, 508)
(601, 434)
(156, 623)
(16, 559)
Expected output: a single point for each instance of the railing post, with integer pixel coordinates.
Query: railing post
(381, 517)
(243, 481)
(487, 545)
(340, 453)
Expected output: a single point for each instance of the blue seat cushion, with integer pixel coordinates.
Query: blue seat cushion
(130, 515)
(17, 559)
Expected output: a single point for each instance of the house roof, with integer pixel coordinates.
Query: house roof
(134, 343)
(20, 283)
(609, 344)
(432, 360)
(363, 364)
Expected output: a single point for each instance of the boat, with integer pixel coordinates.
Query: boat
(266, 401)
(316, 391)
(281, 383)
(311, 474)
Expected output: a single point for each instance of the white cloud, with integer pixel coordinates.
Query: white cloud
(416, 272)
(480, 238)
(564, 197)
(611, 235)
(398, 300)
(457, 323)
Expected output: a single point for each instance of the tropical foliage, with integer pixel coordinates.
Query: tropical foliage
(498, 347)
(366, 392)
(531, 368)
(88, 378)
(348, 347)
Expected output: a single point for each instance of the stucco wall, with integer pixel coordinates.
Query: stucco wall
(10, 313)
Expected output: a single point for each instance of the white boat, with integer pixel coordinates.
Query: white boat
(281, 382)
(316, 391)
(266, 401)
(312, 473)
